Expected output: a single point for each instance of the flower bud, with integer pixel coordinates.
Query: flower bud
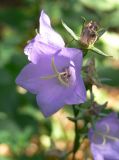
(89, 34)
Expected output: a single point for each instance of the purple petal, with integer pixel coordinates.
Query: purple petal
(31, 50)
(105, 138)
(106, 151)
(54, 96)
(48, 32)
(74, 54)
(78, 94)
(51, 93)
(96, 153)
(51, 99)
(30, 76)
(37, 47)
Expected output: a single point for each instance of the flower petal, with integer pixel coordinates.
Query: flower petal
(38, 46)
(31, 49)
(48, 32)
(78, 94)
(31, 76)
(74, 54)
(96, 154)
(105, 138)
(51, 99)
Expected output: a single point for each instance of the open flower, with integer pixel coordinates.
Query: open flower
(54, 72)
(46, 42)
(105, 138)
(55, 79)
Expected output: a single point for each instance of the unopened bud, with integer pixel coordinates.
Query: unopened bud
(89, 34)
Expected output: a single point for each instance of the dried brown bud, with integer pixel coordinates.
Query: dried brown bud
(89, 34)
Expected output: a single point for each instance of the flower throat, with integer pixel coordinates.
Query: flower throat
(63, 77)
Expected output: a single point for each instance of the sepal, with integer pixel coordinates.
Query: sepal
(70, 31)
(98, 51)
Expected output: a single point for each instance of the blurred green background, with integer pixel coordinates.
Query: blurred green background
(24, 133)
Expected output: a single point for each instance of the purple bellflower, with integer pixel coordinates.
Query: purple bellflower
(105, 138)
(47, 41)
(54, 72)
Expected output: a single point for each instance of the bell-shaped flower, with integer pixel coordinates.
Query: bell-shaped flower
(104, 138)
(47, 41)
(55, 79)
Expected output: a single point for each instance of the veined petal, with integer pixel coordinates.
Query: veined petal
(46, 49)
(74, 54)
(96, 154)
(51, 99)
(78, 94)
(29, 78)
(31, 75)
(47, 42)
(54, 74)
(48, 32)
(37, 47)
(54, 96)
(31, 49)
(105, 138)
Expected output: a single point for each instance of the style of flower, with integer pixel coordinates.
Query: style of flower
(54, 72)
(104, 138)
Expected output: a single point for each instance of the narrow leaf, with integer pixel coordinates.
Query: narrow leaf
(70, 31)
(98, 51)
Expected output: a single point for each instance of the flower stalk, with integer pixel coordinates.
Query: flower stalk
(77, 134)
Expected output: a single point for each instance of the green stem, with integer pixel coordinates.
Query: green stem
(77, 136)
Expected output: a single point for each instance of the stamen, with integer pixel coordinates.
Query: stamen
(59, 75)
(53, 66)
(107, 128)
(48, 77)
(62, 77)
(106, 135)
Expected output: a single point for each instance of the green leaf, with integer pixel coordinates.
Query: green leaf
(98, 51)
(70, 31)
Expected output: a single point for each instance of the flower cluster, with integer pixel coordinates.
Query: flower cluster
(53, 73)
